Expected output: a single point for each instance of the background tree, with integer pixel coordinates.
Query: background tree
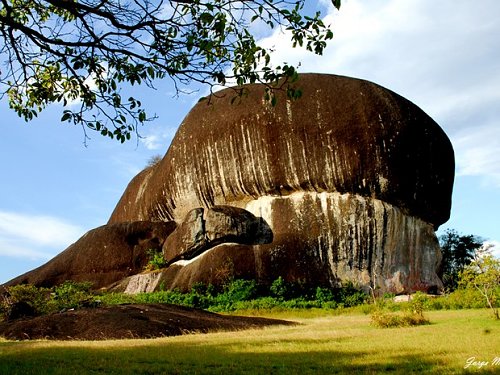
(458, 252)
(483, 274)
(86, 52)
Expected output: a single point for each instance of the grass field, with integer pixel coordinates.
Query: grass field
(321, 344)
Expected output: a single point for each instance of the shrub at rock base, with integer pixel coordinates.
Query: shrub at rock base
(413, 316)
(26, 300)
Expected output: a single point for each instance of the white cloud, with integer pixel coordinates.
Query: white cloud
(158, 137)
(13, 250)
(495, 248)
(35, 237)
(477, 153)
(151, 142)
(441, 55)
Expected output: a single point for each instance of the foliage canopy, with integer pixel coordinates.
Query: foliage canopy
(85, 52)
(458, 252)
(483, 274)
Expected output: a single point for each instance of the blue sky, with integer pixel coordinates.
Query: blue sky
(442, 55)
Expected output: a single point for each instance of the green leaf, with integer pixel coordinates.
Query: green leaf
(206, 18)
(336, 4)
(66, 116)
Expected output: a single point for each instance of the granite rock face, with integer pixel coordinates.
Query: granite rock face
(348, 183)
(344, 135)
(221, 224)
(352, 180)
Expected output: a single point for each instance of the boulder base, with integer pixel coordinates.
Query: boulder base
(321, 239)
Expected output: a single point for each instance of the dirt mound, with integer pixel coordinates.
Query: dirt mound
(127, 321)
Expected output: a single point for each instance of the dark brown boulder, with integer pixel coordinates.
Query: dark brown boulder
(201, 231)
(188, 239)
(103, 255)
(344, 135)
(352, 179)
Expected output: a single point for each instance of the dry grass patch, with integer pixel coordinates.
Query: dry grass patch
(320, 345)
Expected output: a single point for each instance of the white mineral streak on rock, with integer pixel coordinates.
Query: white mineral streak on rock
(246, 163)
(142, 283)
(262, 207)
(265, 165)
(255, 157)
(383, 182)
(319, 101)
(143, 187)
(235, 176)
(305, 161)
(220, 167)
(185, 262)
(210, 162)
(162, 212)
(263, 162)
(294, 176)
(289, 111)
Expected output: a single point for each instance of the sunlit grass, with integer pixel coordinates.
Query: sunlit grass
(320, 344)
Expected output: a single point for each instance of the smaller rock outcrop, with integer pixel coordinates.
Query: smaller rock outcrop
(103, 255)
(221, 224)
(188, 239)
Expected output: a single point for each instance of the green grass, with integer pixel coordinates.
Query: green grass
(324, 343)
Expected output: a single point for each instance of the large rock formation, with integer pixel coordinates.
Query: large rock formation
(350, 181)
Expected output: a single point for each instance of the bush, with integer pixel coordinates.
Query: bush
(384, 319)
(324, 295)
(418, 304)
(247, 294)
(279, 288)
(241, 290)
(156, 260)
(483, 274)
(28, 300)
(349, 295)
(355, 299)
(461, 298)
(167, 296)
(32, 301)
(72, 295)
(262, 303)
(117, 298)
(236, 291)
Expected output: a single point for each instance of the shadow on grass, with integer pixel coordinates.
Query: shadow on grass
(204, 358)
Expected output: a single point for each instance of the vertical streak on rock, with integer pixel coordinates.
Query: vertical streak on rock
(354, 238)
(385, 168)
